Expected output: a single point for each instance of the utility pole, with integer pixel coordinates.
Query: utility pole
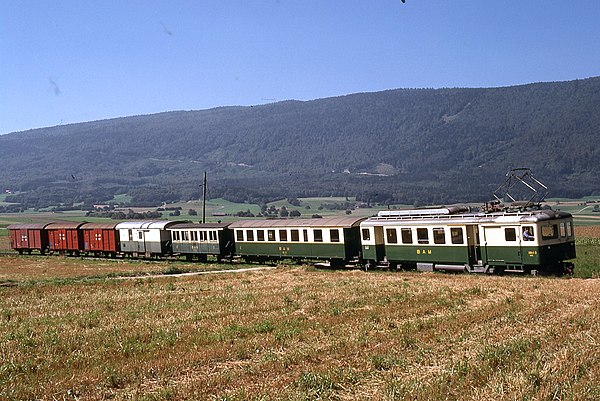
(204, 199)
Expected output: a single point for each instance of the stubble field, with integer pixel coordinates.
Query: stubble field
(295, 333)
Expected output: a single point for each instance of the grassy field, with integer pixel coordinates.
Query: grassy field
(294, 333)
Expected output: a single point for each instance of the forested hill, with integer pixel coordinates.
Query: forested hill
(406, 145)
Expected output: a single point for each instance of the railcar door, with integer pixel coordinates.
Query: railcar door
(503, 245)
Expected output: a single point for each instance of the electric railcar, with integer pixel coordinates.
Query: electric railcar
(450, 239)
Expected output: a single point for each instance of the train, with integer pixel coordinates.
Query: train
(531, 240)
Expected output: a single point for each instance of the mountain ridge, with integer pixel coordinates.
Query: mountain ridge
(440, 145)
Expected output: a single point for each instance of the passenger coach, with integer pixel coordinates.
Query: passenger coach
(336, 239)
(198, 240)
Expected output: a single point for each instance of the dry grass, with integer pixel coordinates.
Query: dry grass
(296, 334)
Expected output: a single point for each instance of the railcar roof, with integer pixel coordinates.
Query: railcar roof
(150, 224)
(480, 218)
(341, 222)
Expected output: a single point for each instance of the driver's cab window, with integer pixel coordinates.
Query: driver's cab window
(528, 233)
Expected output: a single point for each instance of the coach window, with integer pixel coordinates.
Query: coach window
(141, 235)
(130, 235)
(186, 235)
(260, 235)
(249, 235)
(318, 235)
(175, 235)
(240, 235)
(422, 236)
(457, 235)
(282, 235)
(569, 229)
(194, 235)
(213, 235)
(305, 234)
(392, 236)
(271, 235)
(406, 234)
(510, 234)
(366, 234)
(439, 236)
(295, 234)
(334, 235)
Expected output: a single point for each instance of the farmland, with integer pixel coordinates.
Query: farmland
(296, 333)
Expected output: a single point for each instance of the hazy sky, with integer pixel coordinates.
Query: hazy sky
(81, 60)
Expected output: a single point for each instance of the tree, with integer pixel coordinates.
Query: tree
(295, 213)
(284, 212)
(192, 212)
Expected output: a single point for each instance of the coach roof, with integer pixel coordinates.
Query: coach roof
(339, 222)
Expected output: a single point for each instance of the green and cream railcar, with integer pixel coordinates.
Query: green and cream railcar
(198, 240)
(449, 239)
(334, 239)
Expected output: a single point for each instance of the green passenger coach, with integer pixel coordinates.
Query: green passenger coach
(454, 239)
(335, 239)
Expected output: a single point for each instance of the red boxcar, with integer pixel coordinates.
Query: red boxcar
(100, 238)
(65, 237)
(25, 238)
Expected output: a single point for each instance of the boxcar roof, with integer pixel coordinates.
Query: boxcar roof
(180, 226)
(64, 225)
(151, 224)
(29, 226)
(92, 226)
(343, 222)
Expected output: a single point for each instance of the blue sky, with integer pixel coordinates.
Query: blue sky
(71, 61)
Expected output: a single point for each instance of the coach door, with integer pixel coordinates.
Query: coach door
(474, 245)
(141, 241)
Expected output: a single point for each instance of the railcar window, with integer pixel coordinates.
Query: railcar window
(334, 235)
(260, 235)
(186, 235)
(318, 235)
(249, 235)
(439, 236)
(305, 235)
(366, 234)
(295, 234)
(406, 234)
(563, 230)
(140, 235)
(457, 235)
(194, 235)
(392, 235)
(282, 235)
(550, 232)
(213, 235)
(422, 236)
(569, 229)
(130, 235)
(271, 235)
(510, 234)
(175, 235)
(239, 235)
